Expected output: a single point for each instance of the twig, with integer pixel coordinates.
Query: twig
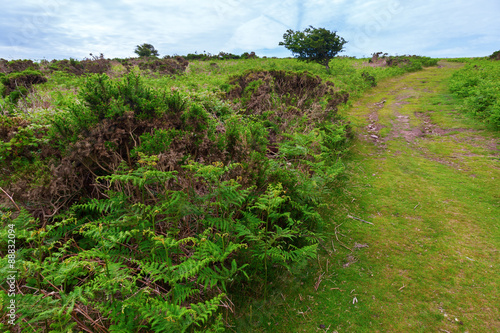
(402, 287)
(357, 218)
(416, 206)
(10, 198)
(337, 237)
(84, 313)
(316, 286)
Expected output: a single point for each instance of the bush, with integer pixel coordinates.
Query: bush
(495, 55)
(478, 87)
(101, 98)
(8, 67)
(286, 99)
(19, 80)
(369, 78)
(92, 65)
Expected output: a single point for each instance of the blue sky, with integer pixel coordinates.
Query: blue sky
(57, 29)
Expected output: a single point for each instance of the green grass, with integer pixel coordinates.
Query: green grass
(432, 259)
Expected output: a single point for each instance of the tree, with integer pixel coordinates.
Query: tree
(146, 50)
(495, 55)
(318, 45)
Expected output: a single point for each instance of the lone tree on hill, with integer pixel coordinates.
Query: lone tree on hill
(318, 45)
(146, 50)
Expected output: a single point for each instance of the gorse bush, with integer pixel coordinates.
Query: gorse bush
(478, 87)
(101, 98)
(369, 78)
(92, 65)
(8, 67)
(17, 84)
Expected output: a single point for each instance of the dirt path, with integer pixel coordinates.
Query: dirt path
(429, 180)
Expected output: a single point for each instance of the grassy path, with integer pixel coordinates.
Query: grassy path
(428, 179)
(430, 183)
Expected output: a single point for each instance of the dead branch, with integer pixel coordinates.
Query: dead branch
(10, 198)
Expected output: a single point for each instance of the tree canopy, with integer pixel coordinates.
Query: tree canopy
(314, 44)
(146, 50)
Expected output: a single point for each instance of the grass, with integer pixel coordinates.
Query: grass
(431, 261)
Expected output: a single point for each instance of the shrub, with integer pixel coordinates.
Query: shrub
(92, 65)
(369, 78)
(478, 87)
(19, 80)
(102, 98)
(8, 67)
(495, 55)
(157, 142)
(291, 97)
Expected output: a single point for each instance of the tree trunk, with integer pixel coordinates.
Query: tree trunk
(326, 62)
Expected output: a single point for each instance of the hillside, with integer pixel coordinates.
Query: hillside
(167, 195)
(414, 240)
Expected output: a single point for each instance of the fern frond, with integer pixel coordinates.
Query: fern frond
(206, 309)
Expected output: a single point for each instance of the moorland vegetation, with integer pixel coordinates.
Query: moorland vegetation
(152, 194)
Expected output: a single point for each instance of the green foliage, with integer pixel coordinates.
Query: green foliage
(369, 78)
(157, 142)
(314, 44)
(195, 119)
(146, 50)
(175, 195)
(15, 95)
(129, 258)
(495, 55)
(21, 144)
(176, 102)
(17, 84)
(102, 98)
(478, 86)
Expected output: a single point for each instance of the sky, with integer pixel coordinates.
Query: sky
(62, 29)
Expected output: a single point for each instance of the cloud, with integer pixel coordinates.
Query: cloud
(259, 33)
(65, 28)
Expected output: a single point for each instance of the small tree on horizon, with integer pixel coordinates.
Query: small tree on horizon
(146, 50)
(314, 44)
